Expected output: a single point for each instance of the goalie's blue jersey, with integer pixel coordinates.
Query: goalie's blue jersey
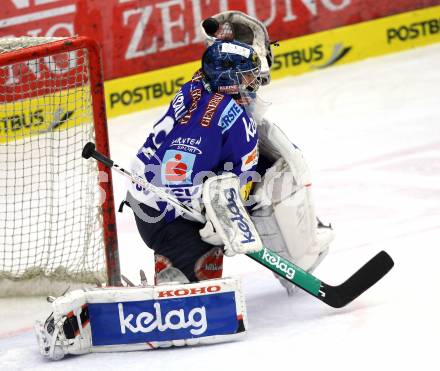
(201, 134)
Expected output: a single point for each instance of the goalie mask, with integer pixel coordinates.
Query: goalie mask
(235, 25)
(231, 67)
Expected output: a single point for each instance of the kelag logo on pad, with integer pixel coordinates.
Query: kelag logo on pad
(147, 322)
(162, 320)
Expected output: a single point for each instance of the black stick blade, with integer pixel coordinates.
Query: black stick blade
(362, 280)
(88, 150)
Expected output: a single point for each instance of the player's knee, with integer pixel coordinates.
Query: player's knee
(165, 272)
(210, 265)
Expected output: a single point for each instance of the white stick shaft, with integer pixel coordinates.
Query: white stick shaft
(166, 196)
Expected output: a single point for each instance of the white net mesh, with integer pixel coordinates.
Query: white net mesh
(8, 44)
(50, 219)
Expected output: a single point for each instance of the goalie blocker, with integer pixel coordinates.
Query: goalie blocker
(142, 318)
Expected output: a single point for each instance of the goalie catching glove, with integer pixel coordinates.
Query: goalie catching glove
(236, 25)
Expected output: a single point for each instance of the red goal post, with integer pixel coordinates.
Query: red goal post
(54, 221)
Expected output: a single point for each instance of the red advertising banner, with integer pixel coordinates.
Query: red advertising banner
(144, 35)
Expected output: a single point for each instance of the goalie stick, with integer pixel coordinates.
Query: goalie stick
(335, 296)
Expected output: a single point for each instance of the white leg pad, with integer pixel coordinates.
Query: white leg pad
(139, 318)
(284, 203)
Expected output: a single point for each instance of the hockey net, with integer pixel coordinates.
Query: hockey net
(57, 221)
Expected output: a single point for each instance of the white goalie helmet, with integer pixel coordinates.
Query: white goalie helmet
(235, 25)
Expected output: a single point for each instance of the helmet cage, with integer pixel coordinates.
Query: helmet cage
(231, 73)
(249, 80)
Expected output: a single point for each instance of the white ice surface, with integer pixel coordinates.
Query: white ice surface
(371, 134)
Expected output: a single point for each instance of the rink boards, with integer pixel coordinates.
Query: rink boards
(293, 57)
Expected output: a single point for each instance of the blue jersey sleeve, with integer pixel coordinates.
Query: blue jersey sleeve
(240, 143)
